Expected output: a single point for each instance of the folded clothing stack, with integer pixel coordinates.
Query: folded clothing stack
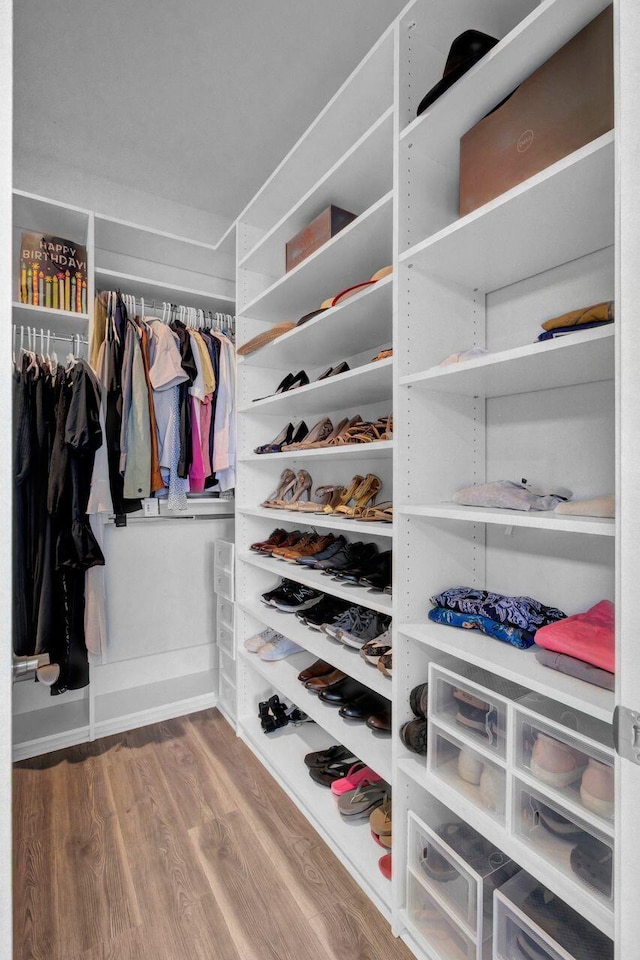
(582, 645)
(586, 318)
(514, 620)
(507, 494)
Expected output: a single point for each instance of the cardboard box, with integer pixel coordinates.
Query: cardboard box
(564, 105)
(323, 228)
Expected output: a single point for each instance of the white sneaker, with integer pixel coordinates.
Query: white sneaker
(253, 644)
(469, 767)
(278, 648)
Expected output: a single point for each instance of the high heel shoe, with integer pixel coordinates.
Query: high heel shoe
(284, 484)
(285, 436)
(287, 494)
(382, 511)
(334, 371)
(326, 441)
(364, 495)
(330, 496)
(319, 431)
(347, 494)
(303, 485)
(354, 423)
(289, 382)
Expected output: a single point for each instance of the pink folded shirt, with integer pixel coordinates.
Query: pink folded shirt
(588, 636)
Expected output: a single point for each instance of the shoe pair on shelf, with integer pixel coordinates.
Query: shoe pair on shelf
(378, 653)
(560, 765)
(413, 733)
(290, 596)
(271, 645)
(355, 701)
(357, 500)
(293, 381)
(357, 626)
(274, 714)
(325, 434)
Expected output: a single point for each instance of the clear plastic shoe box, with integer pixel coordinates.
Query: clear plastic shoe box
(470, 709)
(467, 771)
(531, 922)
(564, 841)
(227, 693)
(443, 939)
(461, 869)
(570, 767)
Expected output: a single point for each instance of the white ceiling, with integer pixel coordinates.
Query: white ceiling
(195, 101)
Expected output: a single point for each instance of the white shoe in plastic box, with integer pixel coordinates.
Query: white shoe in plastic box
(462, 879)
(470, 773)
(571, 768)
(529, 922)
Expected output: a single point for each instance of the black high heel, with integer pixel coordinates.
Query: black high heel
(275, 446)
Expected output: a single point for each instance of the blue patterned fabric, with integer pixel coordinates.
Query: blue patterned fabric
(473, 621)
(523, 612)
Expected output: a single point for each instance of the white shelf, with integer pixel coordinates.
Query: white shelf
(568, 210)
(362, 175)
(283, 754)
(373, 750)
(534, 519)
(362, 322)
(63, 322)
(313, 578)
(436, 132)
(63, 724)
(155, 291)
(520, 666)
(349, 451)
(139, 706)
(321, 646)
(581, 357)
(337, 523)
(351, 257)
(357, 387)
(41, 215)
(572, 892)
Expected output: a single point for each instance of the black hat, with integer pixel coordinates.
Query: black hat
(465, 50)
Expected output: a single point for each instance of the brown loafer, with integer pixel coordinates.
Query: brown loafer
(319, 668)
(380, 721)
(321, 683)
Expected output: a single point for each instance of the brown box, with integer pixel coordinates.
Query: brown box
(564, 105)
(326, 225)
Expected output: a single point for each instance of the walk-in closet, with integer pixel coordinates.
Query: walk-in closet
(320, 562)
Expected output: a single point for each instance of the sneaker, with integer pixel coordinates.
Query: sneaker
(278, 647)
(597, 788)
(326, 611)
(555, 762)
(345, 558)
(299, 597)
(283, 588)
(364, 625)
(258, 640)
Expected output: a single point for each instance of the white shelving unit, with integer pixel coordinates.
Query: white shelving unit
(555, 412)
(345, 159)
(157, 664)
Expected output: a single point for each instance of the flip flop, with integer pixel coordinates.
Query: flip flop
(359, 803)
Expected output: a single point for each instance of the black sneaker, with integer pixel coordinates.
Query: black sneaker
(348, 556)
(283, 589)
(299, 598)
(326, 611)
(360, 561)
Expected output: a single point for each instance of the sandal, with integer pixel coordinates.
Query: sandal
(382, 355)
(346, 427)
(330, 495)
(366, 492)
(303, 485)
(287, 482)
(347, 494)
(380, 512)
(328, 439)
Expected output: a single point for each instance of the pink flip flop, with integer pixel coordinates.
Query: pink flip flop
(353, 779)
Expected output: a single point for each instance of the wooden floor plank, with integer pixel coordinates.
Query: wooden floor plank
(172, 842)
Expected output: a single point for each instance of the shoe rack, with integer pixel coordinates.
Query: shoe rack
(345, 158)
(549, 412)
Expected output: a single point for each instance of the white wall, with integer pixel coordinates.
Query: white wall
(5, 481)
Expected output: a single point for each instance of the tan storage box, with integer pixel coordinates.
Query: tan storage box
(565, 104)
(326, 225)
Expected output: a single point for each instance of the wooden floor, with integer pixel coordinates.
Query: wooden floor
(173, 843)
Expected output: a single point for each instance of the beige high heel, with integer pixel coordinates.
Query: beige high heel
(337, 430)
(330, 496)
(303, 485)
(318, 432)
(286, 483)
(381, 511)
